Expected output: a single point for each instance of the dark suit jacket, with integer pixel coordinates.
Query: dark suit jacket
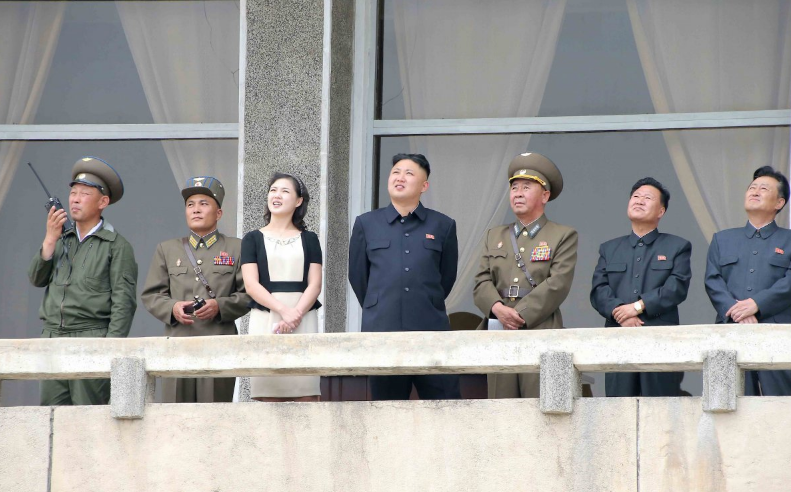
(655, 269)
(402, 268)
(742, 264)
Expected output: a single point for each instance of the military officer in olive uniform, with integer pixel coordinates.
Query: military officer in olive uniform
(748, 271)
(90, 275)
(526, 267)
(640, 280)
(173, 282)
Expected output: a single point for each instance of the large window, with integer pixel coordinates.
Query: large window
(150, 86)
(697, 91)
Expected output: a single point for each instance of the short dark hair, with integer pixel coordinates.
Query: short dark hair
(782, 182)
(664, 195)
(298, 219)
(418, 159)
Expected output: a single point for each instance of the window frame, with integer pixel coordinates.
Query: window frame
(366, 129)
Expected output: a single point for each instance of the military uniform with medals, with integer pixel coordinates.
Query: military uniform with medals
(548, 252)
(172, 278)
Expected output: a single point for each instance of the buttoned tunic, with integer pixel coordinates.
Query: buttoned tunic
(656, 269)
(402, 268)
(747, 263)
(550, 256)
(171, 279)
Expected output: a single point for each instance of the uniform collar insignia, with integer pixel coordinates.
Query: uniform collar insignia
(208, 240)
(532, 228)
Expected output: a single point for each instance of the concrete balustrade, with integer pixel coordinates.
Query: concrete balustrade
(560, 442)
(558, 354)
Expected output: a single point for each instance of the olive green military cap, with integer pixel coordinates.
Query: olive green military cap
(538, 168)
(204, 185)
(92, 171)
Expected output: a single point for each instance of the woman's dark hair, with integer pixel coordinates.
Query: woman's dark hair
(664, 195)
(782, 182)
(298, 219)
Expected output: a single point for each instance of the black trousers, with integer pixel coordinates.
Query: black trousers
(433, 387)
(643, 383)
(772, 383)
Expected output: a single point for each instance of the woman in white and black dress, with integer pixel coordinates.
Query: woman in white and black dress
(281, 266)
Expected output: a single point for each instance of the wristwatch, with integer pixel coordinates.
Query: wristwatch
(638, 307)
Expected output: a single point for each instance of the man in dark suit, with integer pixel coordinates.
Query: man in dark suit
(640, 280)
(402, 266)
(747, 272)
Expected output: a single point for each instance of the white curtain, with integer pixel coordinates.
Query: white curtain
(187, 56)
(717, 55)
(29, 34)
(472, 59)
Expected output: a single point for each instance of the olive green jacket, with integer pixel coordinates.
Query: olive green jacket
(95, 288)
(498, 270)
(171, 278)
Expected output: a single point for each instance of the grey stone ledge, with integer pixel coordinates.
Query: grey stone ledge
(723, 381)
(130, 388)
(560, 383)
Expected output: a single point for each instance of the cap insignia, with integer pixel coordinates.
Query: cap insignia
(81, 175)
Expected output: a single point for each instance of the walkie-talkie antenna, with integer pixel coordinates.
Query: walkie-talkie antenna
(39, 179)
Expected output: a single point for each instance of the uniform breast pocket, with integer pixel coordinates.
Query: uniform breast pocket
(727, 263)
(662, 265)
(98, 284)
(175, 271)
(615, 268)
(377, 245)
(221, 276)
(780, 263)
(496, 253)
(433, 245)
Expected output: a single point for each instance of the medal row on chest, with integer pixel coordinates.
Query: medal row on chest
(224, 259)
(542, 252)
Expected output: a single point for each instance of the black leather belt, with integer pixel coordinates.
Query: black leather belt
(514, 292)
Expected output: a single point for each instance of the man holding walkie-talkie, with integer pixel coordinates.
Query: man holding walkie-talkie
(90, 275)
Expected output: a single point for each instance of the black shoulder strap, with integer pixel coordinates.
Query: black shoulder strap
(198, 272)
(519, 262)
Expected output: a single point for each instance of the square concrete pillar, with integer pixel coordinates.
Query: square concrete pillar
(560, 383)
(296, 114)
(723, 381)
(130, 388)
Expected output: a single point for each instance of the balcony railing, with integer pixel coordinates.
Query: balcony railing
(722, 352)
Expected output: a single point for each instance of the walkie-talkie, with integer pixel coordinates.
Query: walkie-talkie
(53, 201)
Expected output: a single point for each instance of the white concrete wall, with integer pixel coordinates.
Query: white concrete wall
(619, 444)
(25, 448)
